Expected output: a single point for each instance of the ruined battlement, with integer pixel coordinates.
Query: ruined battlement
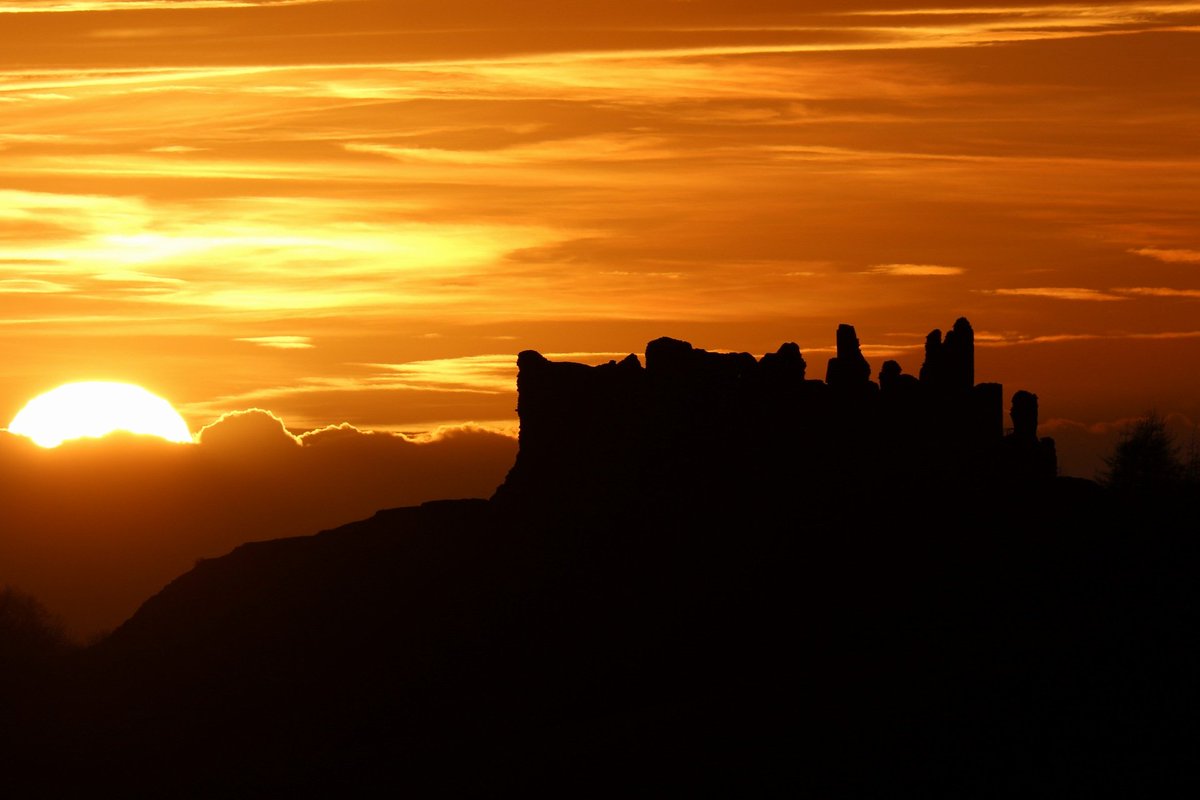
(695, 421)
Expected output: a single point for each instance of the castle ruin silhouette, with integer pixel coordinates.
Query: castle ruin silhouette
(692, 422)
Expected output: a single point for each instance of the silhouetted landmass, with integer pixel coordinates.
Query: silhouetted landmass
(710, 572)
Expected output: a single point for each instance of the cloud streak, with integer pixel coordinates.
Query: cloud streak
(1158, 291)
(92, 6)
(987, 339)
(1061, 293)
(280, 342)
(916, 270)
(1169, 256)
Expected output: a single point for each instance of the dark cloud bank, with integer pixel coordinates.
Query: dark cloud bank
(94, 527)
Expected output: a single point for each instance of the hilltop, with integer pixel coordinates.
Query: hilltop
(710, 570)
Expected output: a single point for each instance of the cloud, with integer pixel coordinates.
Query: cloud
(92, 6)
(1060, 293)
(411, 397)
(266, 256)
(254, 430)
(280, 342)
(1170, 256)
(31, 286)
(915, 270)
(963, 24)
(324, 178)
(1158, 291)
(608, 149)
(94, 527)
(486, 373)
(993, 339)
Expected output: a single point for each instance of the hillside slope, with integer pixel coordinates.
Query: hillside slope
(690, 606)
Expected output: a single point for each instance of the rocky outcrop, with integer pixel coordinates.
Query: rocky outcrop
(692, 422)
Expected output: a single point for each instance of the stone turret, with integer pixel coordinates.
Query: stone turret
(848, 368)
(1029, 456)
(950, 365)
(892, 379)
(959, 358)
(786, 364)
(931, 368)
(1024, 413)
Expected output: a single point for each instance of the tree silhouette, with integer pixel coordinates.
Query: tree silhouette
(33, 652)
(29, 635)
(1147, 460)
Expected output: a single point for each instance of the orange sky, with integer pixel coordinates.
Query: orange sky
(359, 211)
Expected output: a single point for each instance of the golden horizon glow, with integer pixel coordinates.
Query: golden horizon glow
(355, 213)
(360, 211)
(93, 409)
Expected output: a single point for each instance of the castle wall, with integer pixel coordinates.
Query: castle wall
(692, 421)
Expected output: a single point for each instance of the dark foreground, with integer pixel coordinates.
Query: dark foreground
(1043, 647)
(710, 572)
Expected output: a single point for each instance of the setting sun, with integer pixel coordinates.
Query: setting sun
(97, 408)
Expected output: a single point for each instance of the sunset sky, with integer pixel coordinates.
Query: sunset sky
(354, 211)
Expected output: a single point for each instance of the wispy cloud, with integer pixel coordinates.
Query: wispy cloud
(266, 255)
(1121, 11)
(608, 149)
(75, 6)
(487, 374)
(176, 148)
(1060, 293)
(1098, 295)
(280, 342)
(1158, 291)
(31, 286)
(915, 270)
(1007, 339)
(492, 374)
(464, 377)
(1170, 256)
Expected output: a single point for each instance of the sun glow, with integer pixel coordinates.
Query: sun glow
(94, 409)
